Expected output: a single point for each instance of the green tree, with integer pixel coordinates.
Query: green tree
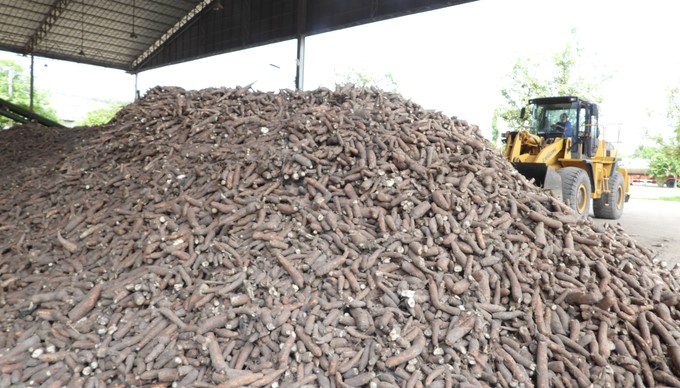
(561, 76)
(645, 152)
(666, 162)
(524, 85)
(674, 110)
(100, 116)
(362, 79)
(15, 87)
(494, 129)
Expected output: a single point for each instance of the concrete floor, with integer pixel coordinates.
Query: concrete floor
(652, 223)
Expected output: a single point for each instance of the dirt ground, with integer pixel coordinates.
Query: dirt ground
(654, 224)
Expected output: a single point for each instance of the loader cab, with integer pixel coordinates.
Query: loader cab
(582, 114)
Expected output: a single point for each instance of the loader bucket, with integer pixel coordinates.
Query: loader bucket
(543, 176)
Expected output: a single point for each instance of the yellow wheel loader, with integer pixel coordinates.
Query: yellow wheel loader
(562, 152)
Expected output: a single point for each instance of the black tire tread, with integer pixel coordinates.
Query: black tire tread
(571, 176)
(607, 209)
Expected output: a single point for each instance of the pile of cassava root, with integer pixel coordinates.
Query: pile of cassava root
(345, 238)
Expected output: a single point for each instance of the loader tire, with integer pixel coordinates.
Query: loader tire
(576, 190)
(611, 209)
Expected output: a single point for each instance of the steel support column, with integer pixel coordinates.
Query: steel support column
(300, 63)
(300, 59)
(32, 78)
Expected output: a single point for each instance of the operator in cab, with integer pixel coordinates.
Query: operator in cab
(563, 125)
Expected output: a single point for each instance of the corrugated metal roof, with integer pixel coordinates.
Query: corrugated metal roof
(239, 24)
(136, 35)
(110, 33)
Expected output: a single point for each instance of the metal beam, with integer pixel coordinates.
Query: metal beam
(168, 34)
(23, 115)
(50, 19)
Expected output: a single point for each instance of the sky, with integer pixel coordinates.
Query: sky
(454, 60)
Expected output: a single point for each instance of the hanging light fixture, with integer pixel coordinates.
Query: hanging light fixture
(217, 5)
(134, 8)
(82, 27)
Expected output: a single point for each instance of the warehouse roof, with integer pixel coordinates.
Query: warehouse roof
(136, 35)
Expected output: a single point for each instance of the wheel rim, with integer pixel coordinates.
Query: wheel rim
(619, 198)
(581, 199)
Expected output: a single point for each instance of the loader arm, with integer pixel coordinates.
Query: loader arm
(536, 158)
(525, 147)
(519, 144)
(551, 152)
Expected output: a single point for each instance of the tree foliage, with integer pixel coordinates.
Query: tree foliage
(674, 110)
(565, 74)
(645, 152)
(15, 87)
(100, 116)
(494, 127)
(666, 162)
(362, 79)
